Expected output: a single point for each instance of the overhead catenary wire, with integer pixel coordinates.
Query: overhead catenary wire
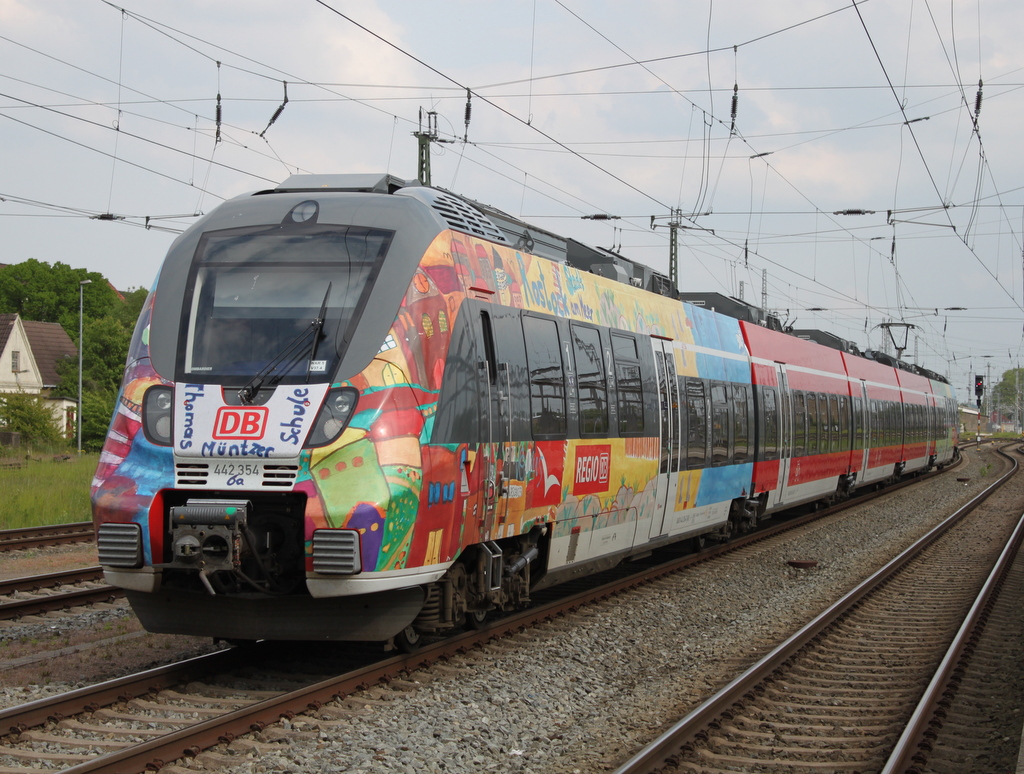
(773, 237)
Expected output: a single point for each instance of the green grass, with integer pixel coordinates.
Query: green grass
(43, 491)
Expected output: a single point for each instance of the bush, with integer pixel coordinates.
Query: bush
(21, 412)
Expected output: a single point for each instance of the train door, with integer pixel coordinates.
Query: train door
(497, 329)
(490, 421)
(861, 430)
(865, 429)
(785, 429)
(669, 414)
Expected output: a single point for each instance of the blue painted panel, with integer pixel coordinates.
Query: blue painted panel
(724, 483)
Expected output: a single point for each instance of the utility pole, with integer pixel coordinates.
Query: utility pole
(673, 226)
(424, 137)
(675, 222)
(1017, 405)
(78, 417)
(988, 381)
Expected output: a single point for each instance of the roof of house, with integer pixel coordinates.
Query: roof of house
(6, 326)
(50, 344)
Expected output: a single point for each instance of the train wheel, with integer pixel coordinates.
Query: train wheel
(476, 619)
(699, 542)
(408, 640)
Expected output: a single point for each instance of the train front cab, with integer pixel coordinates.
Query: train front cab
(213, 485)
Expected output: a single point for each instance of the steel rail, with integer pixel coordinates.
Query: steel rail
(192, 740)
(55, 708)
(50, 580)
(62, 600)
(48, 535)
(925, 717)
(661, 751)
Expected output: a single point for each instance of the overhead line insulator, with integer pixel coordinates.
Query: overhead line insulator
(735, 102)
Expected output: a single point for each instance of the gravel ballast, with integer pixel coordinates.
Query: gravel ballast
(583, 692)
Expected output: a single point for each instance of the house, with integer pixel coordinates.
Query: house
(970, 422)
(29, 354)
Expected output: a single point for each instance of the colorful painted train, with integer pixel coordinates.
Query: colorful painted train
(360, 409)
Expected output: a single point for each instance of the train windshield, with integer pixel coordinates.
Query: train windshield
(253, 296)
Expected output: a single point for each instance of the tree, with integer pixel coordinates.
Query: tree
(1004, 393)
(28, 414)
(104, 351)
(128, 312)
(37, 291)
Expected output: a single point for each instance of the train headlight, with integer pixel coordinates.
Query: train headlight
(158, 415)
(334, 416)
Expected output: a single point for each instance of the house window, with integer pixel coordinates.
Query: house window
(15, 361)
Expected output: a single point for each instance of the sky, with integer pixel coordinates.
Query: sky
(853, 167)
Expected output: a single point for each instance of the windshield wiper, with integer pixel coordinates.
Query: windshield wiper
(252, 387)
(319, 322)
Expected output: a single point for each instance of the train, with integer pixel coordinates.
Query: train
(358, 408)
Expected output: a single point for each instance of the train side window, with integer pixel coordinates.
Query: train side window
(590, 375)
(844, 423)
(696, 424)
(876, 424)
(664, 403)
(833, 422)
(812, 423)
(719, 424)
(740, 423)
(858, 423)
(488, 334)
(770, 447)
(547, 379)
(799, 424)
(673, 387)
(629, 385)
(824, 428)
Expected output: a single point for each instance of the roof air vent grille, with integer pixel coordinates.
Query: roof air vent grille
(462, 217)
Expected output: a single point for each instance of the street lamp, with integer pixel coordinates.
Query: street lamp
(78, 414)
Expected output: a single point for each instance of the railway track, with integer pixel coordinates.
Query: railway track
(52, 535)
(840, 693)
(181, 710)
(54, 591)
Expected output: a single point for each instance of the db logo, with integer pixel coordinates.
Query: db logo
(593, 466)
(236, 424)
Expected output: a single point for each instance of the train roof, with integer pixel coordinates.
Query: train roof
(733, 307)
(471, 217)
